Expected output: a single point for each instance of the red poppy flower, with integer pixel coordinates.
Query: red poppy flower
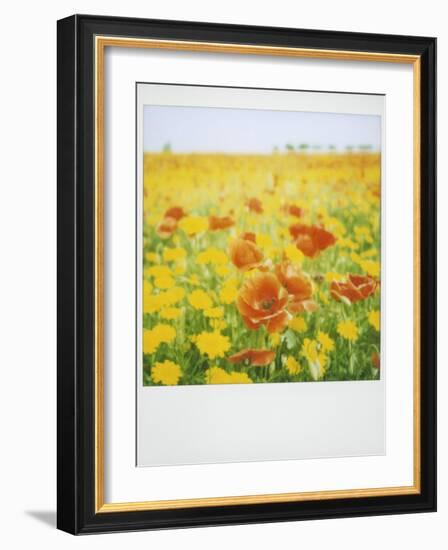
(355, 288)
(295, 282)
(293, 210)
(375, 360)
(255, 205)
(256, 357)
(166, 228)
(215, 223)
(262, 301)
(245, 254)
(298, 286)
(176, 212)
(249, 236)
(311, 239)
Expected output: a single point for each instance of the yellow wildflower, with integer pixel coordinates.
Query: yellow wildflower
(174, 254)
(310, 350)
(348, 243)
(194, 280)
(152, 219)
(199, 299)
(326, 342)
(264, 241)
(335, 226)
(146, 275)
(239, 378)
(283, 233)
(212, 344)
(374, 319)
(171, 296)
(333, 276)
(159, 271)
(292, 365)
(154, 337)
(371, 267)
(212, 256)
(167, 373)
(171, 313)
(214, 312)
(222, 270)
(151, 257)
(293, 253)
(151, 303)
(164, 282)
(322, 211)
(363, 234)
(218, 324)
(180, 269)
(369, 253)
(298, 324)
(147, 287)
(348, 330)
(275, 338)
(216, 375)
(317, 360)
(323, 214)
(355, 257)
(193, 224)
(228, 293)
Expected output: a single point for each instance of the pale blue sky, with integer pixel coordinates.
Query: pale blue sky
(209, 129)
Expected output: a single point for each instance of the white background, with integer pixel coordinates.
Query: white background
(28, 273)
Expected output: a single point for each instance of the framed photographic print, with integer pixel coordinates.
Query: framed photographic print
(246, 274)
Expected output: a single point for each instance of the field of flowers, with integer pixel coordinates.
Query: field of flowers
(261, 268)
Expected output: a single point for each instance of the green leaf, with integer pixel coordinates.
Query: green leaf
(291, 339)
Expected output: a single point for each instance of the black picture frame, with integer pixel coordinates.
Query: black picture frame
(76, 254)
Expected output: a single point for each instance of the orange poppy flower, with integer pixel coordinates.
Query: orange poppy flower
(256, 357)
(311, 239)
(176, 212)
(255, 205)
(376, 360)
(298, 286)
(295, 282)
(293, 210)
(245, 254)
(166, 228)
(262, 301)
(215, 223)
(249, 236)
(357, 287)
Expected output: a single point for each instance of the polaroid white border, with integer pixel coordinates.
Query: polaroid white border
(226, 423)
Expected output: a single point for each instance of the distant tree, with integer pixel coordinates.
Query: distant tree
(303, 147)
(167, 148)
(332, 148)
(365, 147)
(289, 147)
(349, 148)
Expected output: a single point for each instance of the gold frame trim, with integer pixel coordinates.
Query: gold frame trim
(101, 42)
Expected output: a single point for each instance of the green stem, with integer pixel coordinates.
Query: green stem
(350, 360)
